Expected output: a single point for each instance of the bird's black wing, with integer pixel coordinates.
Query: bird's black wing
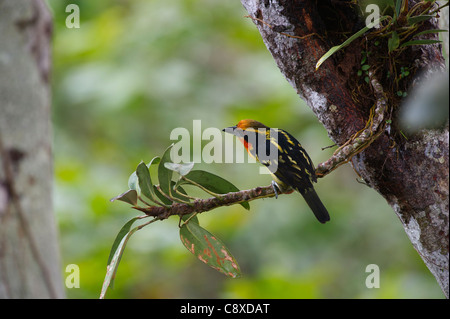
(295, 167)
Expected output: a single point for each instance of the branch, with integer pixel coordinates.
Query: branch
(203, 205)
(362, 139)
(357, 143)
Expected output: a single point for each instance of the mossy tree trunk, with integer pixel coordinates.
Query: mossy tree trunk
(410, 173)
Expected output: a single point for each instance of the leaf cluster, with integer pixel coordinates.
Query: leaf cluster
(169, 191)
(401, 27)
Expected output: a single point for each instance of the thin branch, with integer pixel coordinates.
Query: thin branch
(358, 142)
(203, 205)
(362, 139)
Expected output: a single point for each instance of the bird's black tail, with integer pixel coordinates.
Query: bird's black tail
(316, 205)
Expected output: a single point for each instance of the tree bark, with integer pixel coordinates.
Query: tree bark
(29, 255)
(410, 173)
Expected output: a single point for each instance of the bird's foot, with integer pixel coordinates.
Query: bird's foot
(276, 188)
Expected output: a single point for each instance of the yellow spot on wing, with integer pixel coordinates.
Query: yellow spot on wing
(292, 160)
(274, 142)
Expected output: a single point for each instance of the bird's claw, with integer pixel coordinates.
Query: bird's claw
(276, 188)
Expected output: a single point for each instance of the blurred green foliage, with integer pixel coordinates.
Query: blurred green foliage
(135, 70)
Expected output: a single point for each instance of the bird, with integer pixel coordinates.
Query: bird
(289, 164)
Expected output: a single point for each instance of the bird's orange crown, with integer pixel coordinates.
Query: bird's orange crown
(245, 124)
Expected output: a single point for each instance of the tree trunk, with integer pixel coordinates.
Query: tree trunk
(410, 173)
(29, 256)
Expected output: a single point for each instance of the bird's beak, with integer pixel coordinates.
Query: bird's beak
(229, 129)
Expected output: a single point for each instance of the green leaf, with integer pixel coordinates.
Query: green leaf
(398, 7)
(364, 58)
(175, 195)
(365, 67)
(393, 41)
(345, 43)
(130, 197)
(420, 42)
(145, 181)
(122, 233)
(181, 169)
(213, 183)
(179, 197)
(116, 253)
(133, 182)
(161, 197)
(330, 53)
(164, 174)
(194, 219)
(430, 31)
(209, 249)
(419, 18)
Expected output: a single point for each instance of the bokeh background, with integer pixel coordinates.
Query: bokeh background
(137, 69)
